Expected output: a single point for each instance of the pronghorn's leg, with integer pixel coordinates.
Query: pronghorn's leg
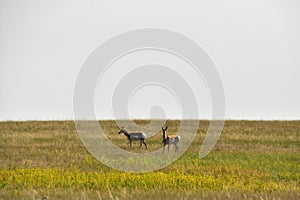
(145, 144)
(130, 144)
(176, 147)
(164, 148)
(141, 142)
(168, 147)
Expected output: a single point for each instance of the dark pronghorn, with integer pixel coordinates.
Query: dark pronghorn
(135, 136)
(170, 139)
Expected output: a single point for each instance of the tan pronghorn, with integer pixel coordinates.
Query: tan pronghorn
(170, 139)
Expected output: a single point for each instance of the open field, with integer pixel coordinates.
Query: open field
(252, 160)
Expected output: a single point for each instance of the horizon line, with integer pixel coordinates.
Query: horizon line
(147, 119)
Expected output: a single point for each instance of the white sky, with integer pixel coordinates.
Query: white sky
(254, 44)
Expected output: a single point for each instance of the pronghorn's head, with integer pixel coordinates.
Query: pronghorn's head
(164, 136)
(164, 129)
(122, 130)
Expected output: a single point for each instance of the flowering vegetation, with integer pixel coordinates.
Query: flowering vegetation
(229, 178)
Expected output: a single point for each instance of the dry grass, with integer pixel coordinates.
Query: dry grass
(252, 160)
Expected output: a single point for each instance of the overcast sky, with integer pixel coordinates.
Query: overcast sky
(254, 44)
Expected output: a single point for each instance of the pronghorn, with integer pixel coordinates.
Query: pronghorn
(135, 136)
(170, 139)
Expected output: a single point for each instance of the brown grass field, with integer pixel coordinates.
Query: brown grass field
(252, 160)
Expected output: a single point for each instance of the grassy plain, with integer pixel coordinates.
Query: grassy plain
(252, 160)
